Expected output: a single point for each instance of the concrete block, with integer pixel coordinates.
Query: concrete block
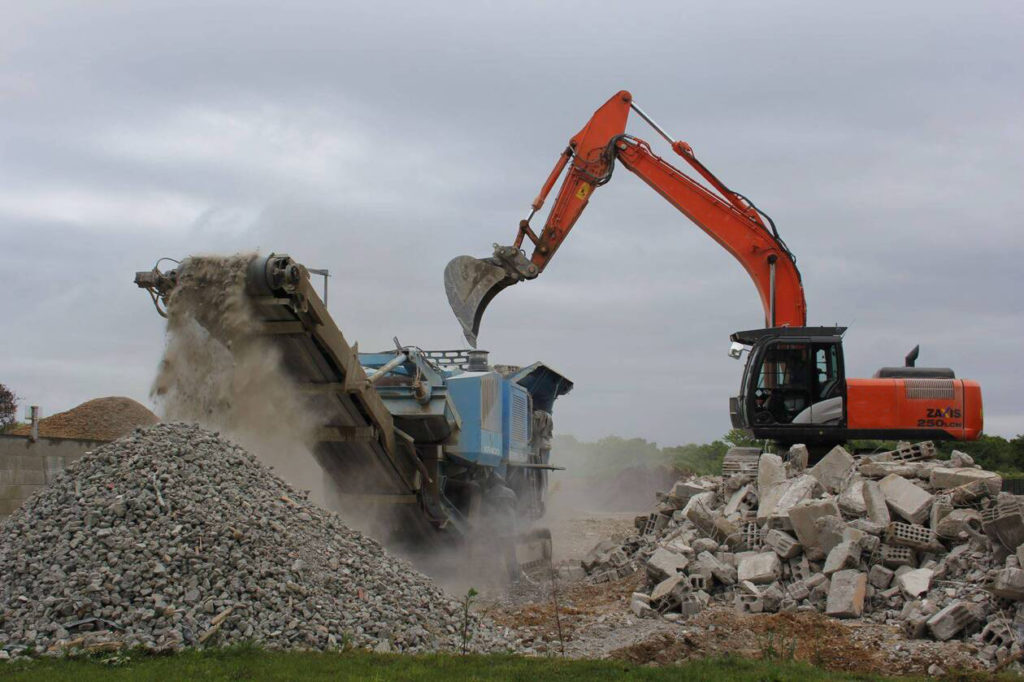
(880, 576)
(846, 594)
(803, 517)
(942, 506)
(943, 478)
(906, 499)
(760, 569)
(895, 556)
(911, 535)
(998, 633)
(844, 555)
(782, 543)
(949, 621)
(833, 469)
(748, 603)
(1009, 584)
(664, 564)
(915, 582)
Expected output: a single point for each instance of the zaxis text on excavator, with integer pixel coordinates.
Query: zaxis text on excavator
(794, 386)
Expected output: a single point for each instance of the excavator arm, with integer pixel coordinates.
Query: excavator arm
(727, 217)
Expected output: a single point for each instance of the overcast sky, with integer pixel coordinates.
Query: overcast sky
(381, 139)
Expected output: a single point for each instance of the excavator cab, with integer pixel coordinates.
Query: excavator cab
(794, 384)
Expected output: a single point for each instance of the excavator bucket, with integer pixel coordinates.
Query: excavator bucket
(470, 284)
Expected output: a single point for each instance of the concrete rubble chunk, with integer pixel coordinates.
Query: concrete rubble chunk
(797, 457)
(804, 516)
(664, 563)
(1009, 584)
(908, 500)
(851, 500)
(880, 576)
(874, 501)
(803, 487)
(771, 474)
(665, 588)
(959, 459)
(958, 521)
(846, 594)
(945, 624)
(844, 555)
(683, 491)
(722, 572)
(760, 569)
(915, 582)
(832, 470)
(883, 469)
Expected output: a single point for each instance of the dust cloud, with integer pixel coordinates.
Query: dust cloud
(218, 372)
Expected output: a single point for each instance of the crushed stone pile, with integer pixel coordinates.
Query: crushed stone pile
(174, 537)
(99, 419)
(932, 546)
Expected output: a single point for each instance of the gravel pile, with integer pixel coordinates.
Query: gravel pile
(173, 537)
(98, 419)
(931, 546)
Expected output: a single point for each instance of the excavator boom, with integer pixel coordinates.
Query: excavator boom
(727, 216)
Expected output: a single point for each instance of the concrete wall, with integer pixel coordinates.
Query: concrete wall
(25, 467)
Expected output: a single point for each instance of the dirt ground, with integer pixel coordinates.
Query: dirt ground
(594, 621)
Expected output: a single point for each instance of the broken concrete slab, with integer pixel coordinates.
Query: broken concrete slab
(846, 594)
(833, 469)
(908, 500)
(915, 582)
(943, 478)
(664, 563)
(760, 569)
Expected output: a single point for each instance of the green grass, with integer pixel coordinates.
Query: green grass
(247, 663)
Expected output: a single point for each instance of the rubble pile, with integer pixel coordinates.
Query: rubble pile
(174, 537)
(898, 537)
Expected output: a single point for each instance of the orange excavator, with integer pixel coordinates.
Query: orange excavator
(794, 387)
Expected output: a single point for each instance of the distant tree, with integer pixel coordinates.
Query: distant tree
(8, 408)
